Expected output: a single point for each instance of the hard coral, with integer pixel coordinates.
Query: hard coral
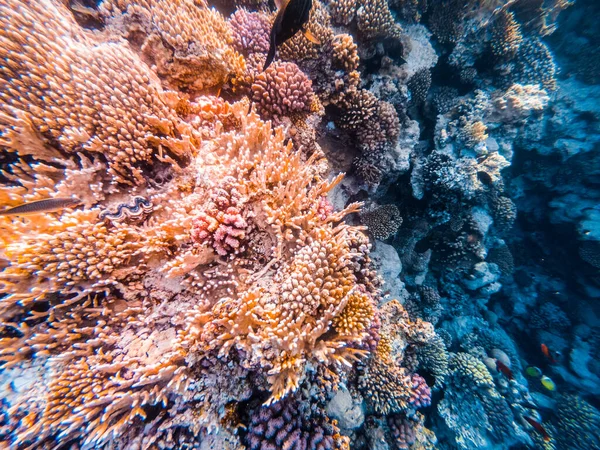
(382, 221)
(250, 31)
(293, 423)
(221, 223)
(374, 20)
(80, 95)
(282, 90)
(189, 43)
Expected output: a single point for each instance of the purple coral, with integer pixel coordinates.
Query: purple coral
(250, 32)
(421, 394)
(282, 90)
(293, 424)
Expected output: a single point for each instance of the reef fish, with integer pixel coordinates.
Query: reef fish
(292, 16)
(41, 206)
(533, 372)
(538, 427)
(548, 354)
(548, 383)
(501, 367)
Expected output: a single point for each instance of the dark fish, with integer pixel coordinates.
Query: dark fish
(292, 17)
(538, 427)
(501, 367)
(41, 206)
(485, 178)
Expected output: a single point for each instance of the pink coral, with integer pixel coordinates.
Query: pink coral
(221, 224)
(250, 31)
(421, 394)
(283, 89)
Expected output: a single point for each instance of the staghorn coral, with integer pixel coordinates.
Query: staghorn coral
(382, 221)
(189, 43)
(282, 90)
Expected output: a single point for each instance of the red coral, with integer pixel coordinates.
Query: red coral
(221, 224)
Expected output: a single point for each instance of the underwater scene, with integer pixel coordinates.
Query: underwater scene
(299, 224)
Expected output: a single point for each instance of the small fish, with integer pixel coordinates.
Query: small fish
(292, 17)
(538, 427)
(501, 367)
(548, 354)
(533, 372)
(41, 206)
(485, 178)
(548, 383)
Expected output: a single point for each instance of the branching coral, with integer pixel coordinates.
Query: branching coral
(189, 42)
(282, 90)
(388, 386)
(250, 31)
(293, 423)
(80, 95)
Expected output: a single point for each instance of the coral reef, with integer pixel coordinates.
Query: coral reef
(388, 239)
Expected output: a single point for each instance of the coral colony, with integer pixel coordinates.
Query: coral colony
(388, 239)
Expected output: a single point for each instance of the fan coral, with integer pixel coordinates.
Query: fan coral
(382, 221)
(293, 423)
(79, 95)
(282, 90)
(188, 41)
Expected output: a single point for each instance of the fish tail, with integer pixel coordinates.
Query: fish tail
(270, 56)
